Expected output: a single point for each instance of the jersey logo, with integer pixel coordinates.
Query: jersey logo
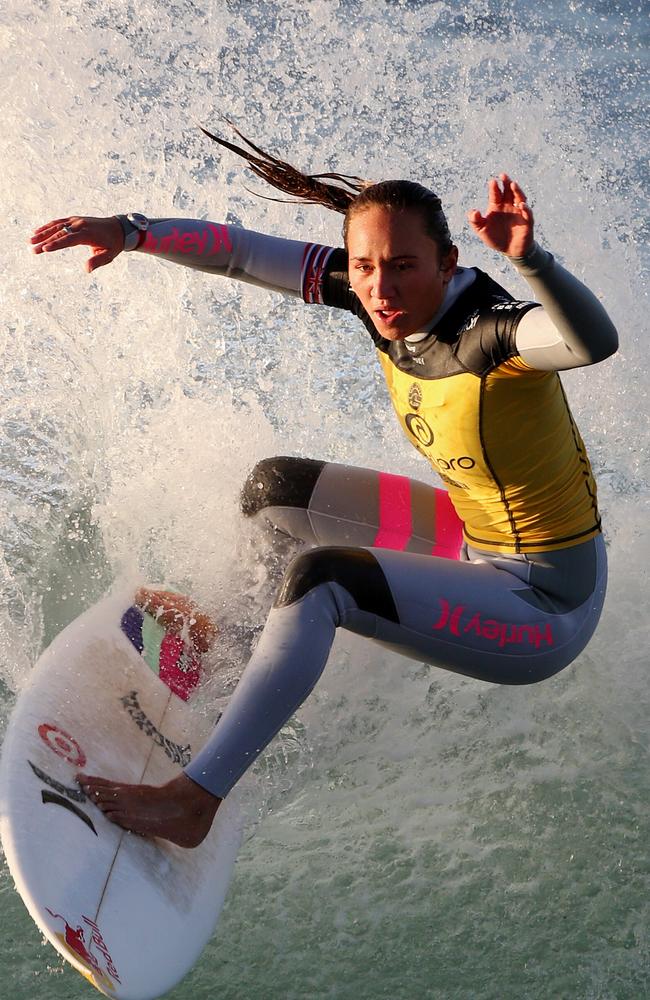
(419, 428)
(471, 322)
(464, 462)
(415, 396)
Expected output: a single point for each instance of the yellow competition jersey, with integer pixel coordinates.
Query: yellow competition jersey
(499, 433)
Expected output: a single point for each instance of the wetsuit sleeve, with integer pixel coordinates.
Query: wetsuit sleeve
(571, 329)
(327, 282)
(282, 265)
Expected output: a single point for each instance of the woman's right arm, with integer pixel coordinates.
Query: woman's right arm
(289, 266)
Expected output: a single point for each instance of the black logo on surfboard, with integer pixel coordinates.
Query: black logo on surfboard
(63, 795)
(59, 800)
(178, 754)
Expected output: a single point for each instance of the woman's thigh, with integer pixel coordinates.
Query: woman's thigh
(477, 619)
(325, 503)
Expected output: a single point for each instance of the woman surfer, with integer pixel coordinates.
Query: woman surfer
(502, 575)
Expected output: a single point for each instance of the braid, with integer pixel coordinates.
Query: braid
(308, 189)
(349, 194)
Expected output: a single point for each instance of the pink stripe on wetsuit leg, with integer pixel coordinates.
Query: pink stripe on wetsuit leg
(395, 522)
(449, 528)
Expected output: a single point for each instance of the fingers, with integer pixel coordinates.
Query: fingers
(175, 612)
(476, 220)
(518, 200)
(505, 195)
(50, 227)
(495, 194)
(58, 234)
(161, 600)
(511, 194)
(54, 239)
(526, 213)
(71, 221)
(142, 596)
(518, 196)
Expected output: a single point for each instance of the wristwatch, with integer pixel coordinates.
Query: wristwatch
(135, 227)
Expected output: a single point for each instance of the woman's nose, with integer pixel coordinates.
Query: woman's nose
(383, 285)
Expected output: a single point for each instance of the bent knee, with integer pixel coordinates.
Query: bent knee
(280, 482)
(356, 570)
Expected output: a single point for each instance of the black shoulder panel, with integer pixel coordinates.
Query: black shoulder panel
(356, 570)
(336, 289)
(475, 336)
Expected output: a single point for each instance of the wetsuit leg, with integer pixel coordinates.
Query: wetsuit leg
(325, 503)
(508, 621)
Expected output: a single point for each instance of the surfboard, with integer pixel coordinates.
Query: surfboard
(110, 696)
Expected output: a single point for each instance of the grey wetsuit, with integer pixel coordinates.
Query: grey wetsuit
(389, 561)
(508, 619)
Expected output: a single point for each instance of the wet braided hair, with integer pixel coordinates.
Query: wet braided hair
(344, 193)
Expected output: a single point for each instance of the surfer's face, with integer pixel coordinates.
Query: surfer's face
(396, 270)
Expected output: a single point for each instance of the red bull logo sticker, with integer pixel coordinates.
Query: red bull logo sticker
(87, 946)
(62, 744)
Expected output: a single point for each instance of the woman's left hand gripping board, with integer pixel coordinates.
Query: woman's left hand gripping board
(178, 614)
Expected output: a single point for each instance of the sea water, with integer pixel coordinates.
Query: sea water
(412, 834)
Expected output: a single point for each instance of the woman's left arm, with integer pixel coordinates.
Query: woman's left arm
(572, 329)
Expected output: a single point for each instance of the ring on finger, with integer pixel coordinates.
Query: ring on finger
(66, 227)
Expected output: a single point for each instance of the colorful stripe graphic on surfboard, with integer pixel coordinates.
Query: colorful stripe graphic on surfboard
(168, 655)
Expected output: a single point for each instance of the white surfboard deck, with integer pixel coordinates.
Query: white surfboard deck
(131, 914)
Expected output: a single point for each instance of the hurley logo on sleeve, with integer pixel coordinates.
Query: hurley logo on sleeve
(210, 239)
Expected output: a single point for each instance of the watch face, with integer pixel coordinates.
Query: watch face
(140, 222)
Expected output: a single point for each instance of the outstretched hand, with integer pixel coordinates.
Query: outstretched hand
(105, 237)
(507, 225)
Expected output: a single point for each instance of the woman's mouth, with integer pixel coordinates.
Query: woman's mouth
(389, 316)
